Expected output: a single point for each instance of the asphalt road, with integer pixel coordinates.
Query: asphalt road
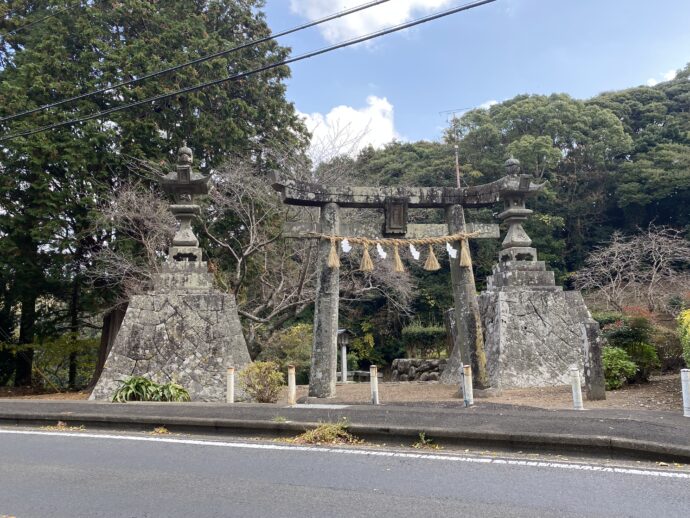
(83, 475)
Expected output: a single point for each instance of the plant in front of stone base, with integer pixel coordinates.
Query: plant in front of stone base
(617, 367)
(139, 388)
(262, 381)
(135, 388)
(633, 335)
(170, 392)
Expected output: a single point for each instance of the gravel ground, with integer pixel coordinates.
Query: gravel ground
(661, 393)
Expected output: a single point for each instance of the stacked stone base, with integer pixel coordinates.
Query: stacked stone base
(417, 369)
(533, 330)
(184, 331)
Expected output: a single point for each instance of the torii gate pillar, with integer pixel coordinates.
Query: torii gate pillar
(324, 355)
(469, 340)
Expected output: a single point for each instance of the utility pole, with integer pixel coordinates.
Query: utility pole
(457, 168)
(458, 174)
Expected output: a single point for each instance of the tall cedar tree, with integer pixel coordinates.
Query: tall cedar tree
(50, 182)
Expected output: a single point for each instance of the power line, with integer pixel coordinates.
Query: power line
(242, 75)
(449, 111)
(35, 22)
(197, 60)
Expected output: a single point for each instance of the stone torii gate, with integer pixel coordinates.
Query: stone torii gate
(469, 342)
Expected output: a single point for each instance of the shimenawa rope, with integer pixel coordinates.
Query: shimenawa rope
(430, 264)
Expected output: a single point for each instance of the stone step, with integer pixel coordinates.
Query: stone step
(507, 278)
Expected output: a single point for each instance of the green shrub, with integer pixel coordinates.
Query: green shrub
(139, 388)
(669, 348)
(645, 357)
(364, 345)
(291, 346)
(262, 381)
(607, 317)
(424, 340)
(633, 335)
(617, 367)
(171, 392)
(628, 331)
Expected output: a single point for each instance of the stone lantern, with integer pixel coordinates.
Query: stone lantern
(184, 330)
(183, 184)
(344, 338)
(516, 245)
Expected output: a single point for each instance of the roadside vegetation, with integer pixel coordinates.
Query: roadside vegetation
(262, 381)
(425, 443)
(328, 433)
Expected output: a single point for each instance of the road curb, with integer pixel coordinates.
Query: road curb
(596, 444)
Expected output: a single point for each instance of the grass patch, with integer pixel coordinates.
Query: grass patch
(328, 433)
(61, 426)
(160, 430)
(425, 443)
(279, 419)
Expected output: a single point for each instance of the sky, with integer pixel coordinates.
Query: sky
(403, 86)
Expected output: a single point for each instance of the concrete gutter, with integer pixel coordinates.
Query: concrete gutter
(504, 430)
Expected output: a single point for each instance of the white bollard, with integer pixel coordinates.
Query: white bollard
(343, 363)
(231, 385)
(467, 390)
(374, 382)
(292, 386)
(685, 382)
(577, 388)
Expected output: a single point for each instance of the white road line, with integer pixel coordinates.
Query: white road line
(350, 451)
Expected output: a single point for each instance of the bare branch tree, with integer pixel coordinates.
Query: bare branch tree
(610, 270)
(649, 267)
(665, 256)
(140, 228)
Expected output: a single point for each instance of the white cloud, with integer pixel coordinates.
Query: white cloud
(670, 75)
(488, 104)
(346, 130)
(362, 22)
(666, 76)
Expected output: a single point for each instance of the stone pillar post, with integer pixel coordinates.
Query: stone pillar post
(469, 341)
(324, 355)
(343, 363)
(595, 383)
